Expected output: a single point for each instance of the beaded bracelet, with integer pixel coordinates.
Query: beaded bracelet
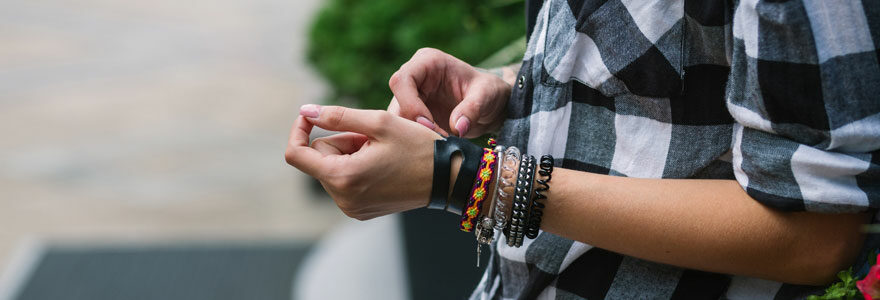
(537, 211)
(515, 214)
(478, 192)
(525, 200)
(521, 201)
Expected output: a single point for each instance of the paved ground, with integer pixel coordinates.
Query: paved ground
(153, 121)
(166, 273)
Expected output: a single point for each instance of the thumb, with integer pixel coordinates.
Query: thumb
(337, 118)
(407, 101)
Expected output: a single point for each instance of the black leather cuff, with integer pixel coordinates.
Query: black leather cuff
(443, 151)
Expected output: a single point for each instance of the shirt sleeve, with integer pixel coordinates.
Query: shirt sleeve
(804, 90)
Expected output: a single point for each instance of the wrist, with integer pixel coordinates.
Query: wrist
(505, 73)
(509, 74)
(455, 163)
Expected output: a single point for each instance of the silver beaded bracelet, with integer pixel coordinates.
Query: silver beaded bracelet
(521, 199)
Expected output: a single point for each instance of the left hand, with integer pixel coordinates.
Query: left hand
(382, 164)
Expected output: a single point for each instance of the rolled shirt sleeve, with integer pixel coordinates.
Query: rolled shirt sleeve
(804, 90)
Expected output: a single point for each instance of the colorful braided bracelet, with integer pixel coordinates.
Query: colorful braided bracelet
(479, 191)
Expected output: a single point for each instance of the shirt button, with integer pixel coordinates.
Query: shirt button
(519, 83)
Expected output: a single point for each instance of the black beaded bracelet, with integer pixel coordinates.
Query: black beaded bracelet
(537, 209)
(522, 195)
(515, 218)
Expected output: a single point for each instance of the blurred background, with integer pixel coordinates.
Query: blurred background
(141, 147)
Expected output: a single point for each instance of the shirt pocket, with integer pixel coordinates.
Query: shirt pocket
(521, 96)
(555, 43)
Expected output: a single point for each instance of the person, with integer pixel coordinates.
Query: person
(703, 149)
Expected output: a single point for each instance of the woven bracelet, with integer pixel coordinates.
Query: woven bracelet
(485, 228)
(479, 191)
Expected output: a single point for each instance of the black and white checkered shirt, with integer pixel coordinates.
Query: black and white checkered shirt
(783, 96)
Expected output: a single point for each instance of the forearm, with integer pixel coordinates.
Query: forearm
(710, 225)
(506, 73)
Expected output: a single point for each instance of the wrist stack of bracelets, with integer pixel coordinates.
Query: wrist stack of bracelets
(504, 192)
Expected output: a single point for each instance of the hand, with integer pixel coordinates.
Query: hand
(434, 88)
(382, 164)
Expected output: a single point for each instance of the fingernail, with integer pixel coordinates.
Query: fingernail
(425, 121)
(462, 125)
(309, 110)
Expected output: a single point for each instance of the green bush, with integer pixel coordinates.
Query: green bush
(357, 45)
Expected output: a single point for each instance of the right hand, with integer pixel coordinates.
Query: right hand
(446, 94)
(380, 164)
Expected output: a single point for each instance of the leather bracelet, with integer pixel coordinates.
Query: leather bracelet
(440, 182)
(443, 151)
(471, 155)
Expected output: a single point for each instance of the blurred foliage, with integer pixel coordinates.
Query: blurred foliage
(358, 44)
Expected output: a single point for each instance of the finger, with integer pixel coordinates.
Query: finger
(371, 123)
(394, 107)
(324, 148)
(338, 144)
(298, 153)
(463, 116)
(440, 131)
(404, 85)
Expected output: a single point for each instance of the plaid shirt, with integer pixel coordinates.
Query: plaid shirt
(783, 96)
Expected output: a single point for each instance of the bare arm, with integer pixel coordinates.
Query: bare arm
(710, 225)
